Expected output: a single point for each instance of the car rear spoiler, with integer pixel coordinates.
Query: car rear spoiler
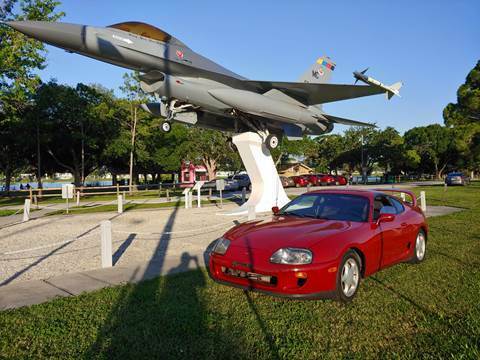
(412, 196)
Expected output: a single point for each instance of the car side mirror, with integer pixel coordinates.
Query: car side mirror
(275, 210)
(385, 218)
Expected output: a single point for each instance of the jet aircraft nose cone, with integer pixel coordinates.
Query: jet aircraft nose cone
(67, 36)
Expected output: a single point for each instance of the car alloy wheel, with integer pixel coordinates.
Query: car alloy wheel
(420, 247)
(348, 276)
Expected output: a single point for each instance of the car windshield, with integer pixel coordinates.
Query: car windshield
(342, 207)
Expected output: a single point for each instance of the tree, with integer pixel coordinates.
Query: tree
(464, 119)
(135, 95)
(79, 123)
(18, 79)
(210, 147)
(435, 145)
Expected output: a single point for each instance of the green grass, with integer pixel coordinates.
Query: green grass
(431, 310)
(137, 195)
(129, 207)
(7, 212)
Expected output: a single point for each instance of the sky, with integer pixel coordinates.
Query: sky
(429, 45)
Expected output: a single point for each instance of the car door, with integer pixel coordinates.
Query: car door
(408, 230)
(392, 232)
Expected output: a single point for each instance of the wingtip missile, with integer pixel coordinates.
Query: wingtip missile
(390, 90)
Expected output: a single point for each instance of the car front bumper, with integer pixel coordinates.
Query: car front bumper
(276, 279)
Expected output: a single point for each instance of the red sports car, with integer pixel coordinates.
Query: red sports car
(312, 179)
(340, 180)
(321, 244)
(300, 181)
(325, 179)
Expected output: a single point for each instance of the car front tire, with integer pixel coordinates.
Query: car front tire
(420, 249)
(349, 275)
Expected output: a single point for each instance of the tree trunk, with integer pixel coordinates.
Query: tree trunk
(114, 179)
(211, 165)
(39, 162)
(8, 178)
(132, 150)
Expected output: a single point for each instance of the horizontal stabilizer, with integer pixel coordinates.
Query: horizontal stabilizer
(343, 121)
(313, 94)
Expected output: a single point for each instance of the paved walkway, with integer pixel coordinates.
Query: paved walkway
(163, 255)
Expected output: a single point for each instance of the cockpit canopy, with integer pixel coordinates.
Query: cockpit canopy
(148, 31)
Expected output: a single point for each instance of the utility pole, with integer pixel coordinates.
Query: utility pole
(363, 166)
(134, 129)
(39, 161)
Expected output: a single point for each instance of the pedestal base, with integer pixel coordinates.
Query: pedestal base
(267, 189)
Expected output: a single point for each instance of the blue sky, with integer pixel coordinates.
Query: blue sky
(429, 45)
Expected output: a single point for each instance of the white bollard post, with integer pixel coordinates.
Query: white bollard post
(402, 195)
(106, 237)
(186, 199)
(199, 201)
(26, 210)
(244, 195)
(251, 213)
(190, 199)
(120, 204)
(423, 201)
(78, 198)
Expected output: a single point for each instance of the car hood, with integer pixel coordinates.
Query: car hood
(287, 231)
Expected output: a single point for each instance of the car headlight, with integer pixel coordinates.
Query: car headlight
(292, 256)
(221, 246)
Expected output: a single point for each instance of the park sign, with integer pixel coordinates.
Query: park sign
(68, 191)
(220, 184)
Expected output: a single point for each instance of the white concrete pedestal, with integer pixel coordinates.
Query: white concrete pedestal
(267, 189)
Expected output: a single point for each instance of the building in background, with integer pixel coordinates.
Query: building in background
(296, 169)
(189, 173)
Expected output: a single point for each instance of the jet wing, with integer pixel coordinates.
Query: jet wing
(312, 94)
(343, 121)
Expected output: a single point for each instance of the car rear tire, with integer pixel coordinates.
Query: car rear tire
(348, 276)
(420, 249)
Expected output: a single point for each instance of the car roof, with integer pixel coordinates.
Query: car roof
(358, 192)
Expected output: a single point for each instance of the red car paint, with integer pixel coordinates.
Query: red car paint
(379, 245)
(325, 179)
(340, 180)
(300, 181)
(312, 179)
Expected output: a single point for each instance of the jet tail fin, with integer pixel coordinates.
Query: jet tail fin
(320, 72)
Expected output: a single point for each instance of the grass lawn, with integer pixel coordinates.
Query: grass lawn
(7, 212)
(431, 310)
(137, 195)
(129, 207)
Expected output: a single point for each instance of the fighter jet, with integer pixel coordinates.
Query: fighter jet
(194, 90)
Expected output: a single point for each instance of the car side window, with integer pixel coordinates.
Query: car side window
(379, 202)
(304, 205)
(397, 205)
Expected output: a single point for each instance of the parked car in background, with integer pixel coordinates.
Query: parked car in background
(239, 181)
(325, 179)
(299, 181)
(457, 178)
(340, 180)
(286, 181)
(312, 179)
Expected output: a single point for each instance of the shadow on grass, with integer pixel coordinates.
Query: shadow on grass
(164, 317)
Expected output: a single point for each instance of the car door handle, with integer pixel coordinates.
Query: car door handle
(404, 224)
